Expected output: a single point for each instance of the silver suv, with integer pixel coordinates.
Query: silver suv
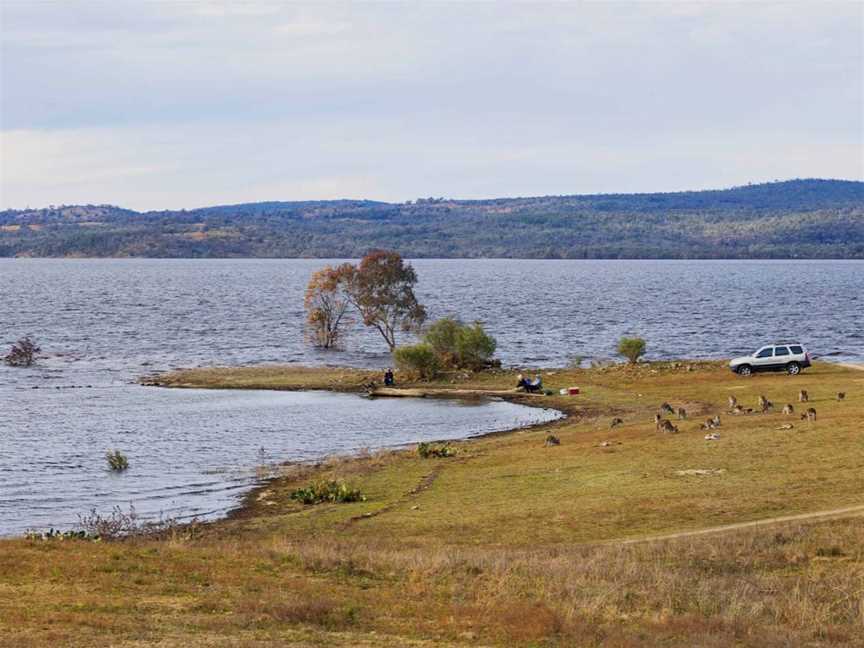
(790, 357)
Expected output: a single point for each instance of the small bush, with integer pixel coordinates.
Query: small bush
(631, 348)
(327, 491)
(459, 345)
(431, 450)
(474, 346)
(418, 359)
(22, 354)
(441, 336)
(117, 461)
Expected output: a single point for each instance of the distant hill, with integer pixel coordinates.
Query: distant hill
(792, 219)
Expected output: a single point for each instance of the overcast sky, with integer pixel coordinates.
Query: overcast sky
(154, 105)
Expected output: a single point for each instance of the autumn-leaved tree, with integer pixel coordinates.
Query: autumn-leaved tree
(382, 289)
(327, 303)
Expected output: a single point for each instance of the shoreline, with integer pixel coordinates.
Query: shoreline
(248, 506)
(353, 381)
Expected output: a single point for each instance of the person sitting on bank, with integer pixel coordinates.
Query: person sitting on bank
(389, 380)
(529, 385)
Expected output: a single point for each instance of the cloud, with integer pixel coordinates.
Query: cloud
(183, 104)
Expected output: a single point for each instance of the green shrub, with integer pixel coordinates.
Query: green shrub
(460, 345)
(327, 491)
(631, 348)
(431, 450)
(441, 336)
(117, 461)
(474, 346)
(417, 359)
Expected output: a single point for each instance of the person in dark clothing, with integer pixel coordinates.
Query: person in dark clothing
(389, 381)
(529, 385)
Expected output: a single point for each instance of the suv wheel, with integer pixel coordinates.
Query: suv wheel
(744, 370)
(793, 368)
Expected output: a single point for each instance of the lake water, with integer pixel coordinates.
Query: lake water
(103, 323)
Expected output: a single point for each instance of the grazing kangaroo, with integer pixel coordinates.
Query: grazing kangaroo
(666, 408)
(666, 426)
(682, 413)
(733, 403)
(616, 422)
(716, 420)
(765, 404)
(788, 409)
(710, 423)
(841, 395)
(810, 414)
(803, 396)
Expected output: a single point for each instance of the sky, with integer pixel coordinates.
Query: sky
(168, 105)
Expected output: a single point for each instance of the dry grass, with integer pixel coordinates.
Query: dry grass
(504, 543)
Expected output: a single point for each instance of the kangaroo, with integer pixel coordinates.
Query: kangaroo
(803, 396)
(682, 413)
(552, 440)
(666, 408)
(733, 403)
(710, 424)
(737, 410)
(657, 419)
(716, 421)
(765, 404)
(666, 426)
(809, 415)
(788, 409)
(841, 395)
(616, 422)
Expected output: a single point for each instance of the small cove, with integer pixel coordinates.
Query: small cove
(194, 453)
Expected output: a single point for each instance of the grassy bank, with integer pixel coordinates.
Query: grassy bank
(510, 541)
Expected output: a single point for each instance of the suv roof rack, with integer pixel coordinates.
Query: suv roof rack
(787, 343)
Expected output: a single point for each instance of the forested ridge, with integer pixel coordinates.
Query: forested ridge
(791, 219)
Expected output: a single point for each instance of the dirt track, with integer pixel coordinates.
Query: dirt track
(850, 511)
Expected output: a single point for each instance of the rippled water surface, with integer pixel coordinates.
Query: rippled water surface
(102, 323)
